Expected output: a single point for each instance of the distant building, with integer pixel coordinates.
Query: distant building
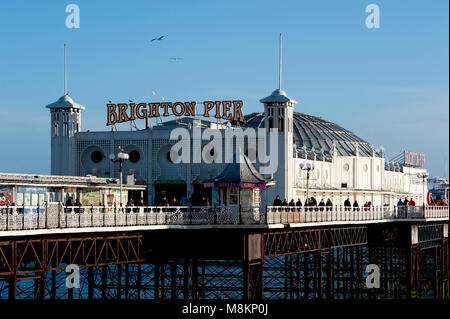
(36, 190)
(438, 187)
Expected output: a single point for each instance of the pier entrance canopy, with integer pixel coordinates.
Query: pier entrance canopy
(239, 184)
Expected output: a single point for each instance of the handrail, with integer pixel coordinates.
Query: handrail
(56, 215)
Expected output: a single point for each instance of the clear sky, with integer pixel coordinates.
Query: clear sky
(387, 85)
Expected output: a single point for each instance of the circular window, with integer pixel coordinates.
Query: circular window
(96, 156)
(135, 156)
(346, 167)
(169, 159)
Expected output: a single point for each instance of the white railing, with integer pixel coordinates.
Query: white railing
(55, 215)
(308, 214)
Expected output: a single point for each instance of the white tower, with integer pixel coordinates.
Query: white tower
(65, 122)
(279, 114)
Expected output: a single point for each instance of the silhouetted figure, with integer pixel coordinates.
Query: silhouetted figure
(277, 201)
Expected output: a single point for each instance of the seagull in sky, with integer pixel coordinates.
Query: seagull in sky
(158, 39)
(176, 59)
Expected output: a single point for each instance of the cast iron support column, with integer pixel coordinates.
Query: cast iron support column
(119, 281)
(90, 283)
(156, 280)
(173, 279)
(186, 279)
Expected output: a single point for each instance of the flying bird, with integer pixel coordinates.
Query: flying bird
(158, 39)
(176, 59)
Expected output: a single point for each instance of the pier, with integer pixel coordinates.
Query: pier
(185, 252)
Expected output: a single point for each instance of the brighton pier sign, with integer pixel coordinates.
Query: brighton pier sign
(123, 112)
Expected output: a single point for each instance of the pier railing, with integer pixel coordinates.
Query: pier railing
(55, 215)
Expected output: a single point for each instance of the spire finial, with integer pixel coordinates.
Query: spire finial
(279, 74)
(65, 70)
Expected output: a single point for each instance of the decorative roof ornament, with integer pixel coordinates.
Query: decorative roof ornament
(382, 151)
(278, 96)
(65, 101)
(356, 149)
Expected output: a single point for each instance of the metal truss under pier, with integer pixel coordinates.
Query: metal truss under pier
(308, 263)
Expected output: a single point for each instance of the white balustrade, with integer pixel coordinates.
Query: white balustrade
(54, 215)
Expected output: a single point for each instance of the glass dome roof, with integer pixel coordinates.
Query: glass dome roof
(314, 133)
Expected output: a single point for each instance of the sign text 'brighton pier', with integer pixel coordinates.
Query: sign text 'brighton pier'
(123, 112)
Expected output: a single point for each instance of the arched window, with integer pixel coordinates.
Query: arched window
(270, 123)
(55, 129)
(280, 124)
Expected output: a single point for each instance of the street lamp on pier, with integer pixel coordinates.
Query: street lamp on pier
(121, 157)
(423, 176)
(308, 168)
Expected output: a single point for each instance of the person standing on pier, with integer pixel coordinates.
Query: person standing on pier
(322, 205)
(277, 201)
(347, 204)
(78, 205)
(69, 202)
(329, 204)
(355, 206)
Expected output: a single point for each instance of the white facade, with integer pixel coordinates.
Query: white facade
(337, 175)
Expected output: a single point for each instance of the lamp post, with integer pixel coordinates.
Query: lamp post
(308, 168)
(423, 176)
(121, 157)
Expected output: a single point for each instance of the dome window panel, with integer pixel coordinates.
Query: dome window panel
(96, 156)
(135, 156)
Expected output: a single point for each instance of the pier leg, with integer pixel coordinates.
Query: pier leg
(330, 273)
(53, 288)
(297, 269)
(127, 281)
(306, 275)
(104, 279)
(156, 281)
(139, 281)
(91, 283)
(173, 279)
(12, 287)
(319, 270)
(195, 279)
(253, 279)
(119, 281)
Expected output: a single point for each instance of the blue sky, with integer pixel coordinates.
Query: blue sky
(387, 85)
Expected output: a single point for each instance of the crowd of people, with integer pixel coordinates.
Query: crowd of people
(194, 200)
(406, 202)
(312, 203)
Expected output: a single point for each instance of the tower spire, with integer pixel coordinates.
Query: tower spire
(65, 70)
(279, 74)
